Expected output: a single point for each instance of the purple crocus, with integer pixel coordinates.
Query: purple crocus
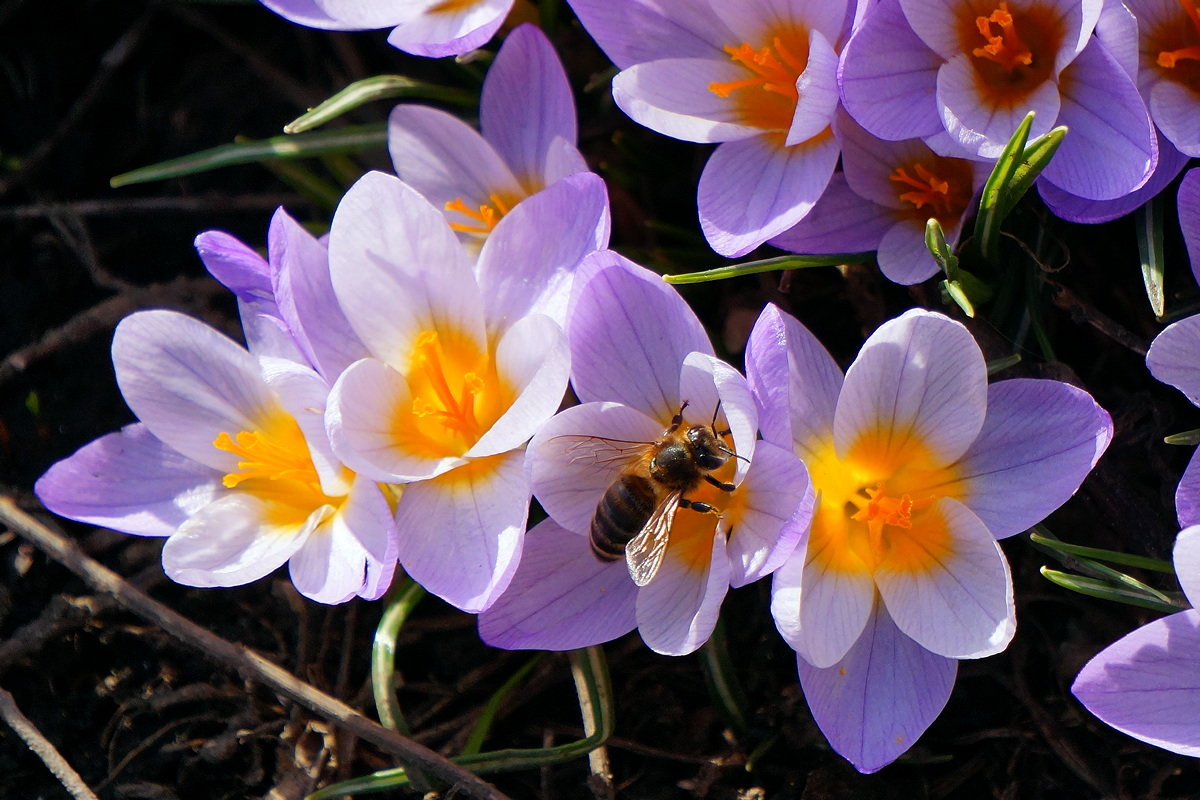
(882, 199)
(919, 466)
(640, 357)
(757, 76)
(422, 27)
(230, 460)
(971, 70)
(466, 362)
(1145, 684)
(527, 119)
(1168, 47)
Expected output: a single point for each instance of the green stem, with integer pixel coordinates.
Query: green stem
(401, 601)
(488, 715)
(769, 265)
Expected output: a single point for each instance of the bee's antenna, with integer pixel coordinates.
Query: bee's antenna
(729, 452)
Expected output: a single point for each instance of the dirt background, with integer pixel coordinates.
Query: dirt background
(92, 88)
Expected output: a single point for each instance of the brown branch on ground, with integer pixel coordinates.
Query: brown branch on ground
(43, 749)
(1082, 311)
(246, 662)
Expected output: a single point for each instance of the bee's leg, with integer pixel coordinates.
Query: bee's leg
(696, 505)
(677, 420)
(724, 487)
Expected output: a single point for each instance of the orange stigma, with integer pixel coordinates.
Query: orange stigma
(455, 412)
(1006, 48)
(767, 97)
(483, 220)
(1170, 58)
(928, 190)
(774, 71)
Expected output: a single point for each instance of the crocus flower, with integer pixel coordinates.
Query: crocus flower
(757, 76)
(919, 466)
(1168, 45)
(639, 357)
(1172, 359)
(882, 200)
(918, 68)
(422, 27)
(466, 363)
(527, 118)
(1144, 684)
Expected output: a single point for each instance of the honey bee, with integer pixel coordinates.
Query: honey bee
(633, 518)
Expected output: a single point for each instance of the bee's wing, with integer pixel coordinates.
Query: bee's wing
(598, 449)
(644, 553)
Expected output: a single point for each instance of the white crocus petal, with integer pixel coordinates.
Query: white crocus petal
(948, 584)
(360, 418)
(775, 505)
(672, 96)
(461, 532)
(715, 390)
(923, 378)
(188, 383)
(329, 566)
(818, 90)
(678, 609)
(233, 541)
(578, 453)
(399, 271)
(834, 608)
(302, 393)
(533, 357)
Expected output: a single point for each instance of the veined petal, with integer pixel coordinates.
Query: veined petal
(436, 33)
(129, 481)
(752, 20)
(303, 393)
(754, 189)
(774, 509)
(818, 90)
(834, 606)
(236, 265)
(577, 454)
(795, 381)
(1117, 29)
(534, 358)
(304, 293)
(888, 77)
(1077, 209)
(528, 261)
(445, 159)
(638, 31)
(366, 14)
(562, 159)
(981, 127)
(1189, 219)
(878, 700)
(1186, 558)
(1187, 493)
(672, 96)
(1039, 440)
(1172, 355)
(188, 383)
(399, 270)
(629, 332)
(526, 102)
(361, 419)
(903, 257)
(310, 14)
(1109, 125)
(947, 585)
(234, 540)
(677, 611)
(840, 222)
(329, 566)
(919, 382)
(1146, 684)
(461, 532)
(561, 598)
(1174, 109)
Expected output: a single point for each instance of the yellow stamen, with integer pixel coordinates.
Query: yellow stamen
(1170, 58)
(484, 220)
(1006, 48)
(774, 74)
(455, 412)
(767, 97)
(265, 459)
(930, 191)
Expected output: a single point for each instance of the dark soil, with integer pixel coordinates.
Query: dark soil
(93, 88)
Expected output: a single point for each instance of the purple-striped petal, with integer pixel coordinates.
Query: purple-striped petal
(1175, 109)
(754, 189)
(1039, 440)
(672, 96)
(629, 332)
(903, 256)
(775, 504)
(840, 222)
(1189, 218)
(947, 585)
(1146, 684)
(561, 598)
(1186, 558)
(638, 31)
(1172, 355)
(677, 610)
(877, 701)
(236, 265)
(819, 611)
(981, 127)
(461, 532)
(129, 481)
(436, 32)
(1187, 493)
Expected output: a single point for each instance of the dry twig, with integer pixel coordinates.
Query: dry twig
(43, 749)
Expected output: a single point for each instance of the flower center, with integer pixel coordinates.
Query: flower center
(940, 188)
(1169, 58)
(274, 465)
(875, 506)
(456, 395)
(767, 97)
(482, 221)
(1009, 64)
(1004, 46)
